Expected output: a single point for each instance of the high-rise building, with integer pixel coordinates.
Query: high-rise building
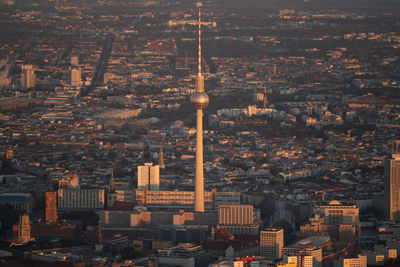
(28, 77)
(112, 182)
(200, 101)
(392, 187)
(161, 159)
(51, 207)
(271, 243)
(76, 79)
(148, 177)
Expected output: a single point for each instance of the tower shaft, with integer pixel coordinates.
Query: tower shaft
(199, 100)
(199, 186)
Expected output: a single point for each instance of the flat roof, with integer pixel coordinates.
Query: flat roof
(312, 241)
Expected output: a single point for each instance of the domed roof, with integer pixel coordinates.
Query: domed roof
(199, 100)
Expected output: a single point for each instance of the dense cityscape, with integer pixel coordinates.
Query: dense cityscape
(179, 133)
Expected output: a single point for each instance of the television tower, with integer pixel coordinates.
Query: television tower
(199, 100)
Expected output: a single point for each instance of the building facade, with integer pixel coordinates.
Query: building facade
(148, 177)
(271, 243)
(392, 187)
(28, 77)
(51, 207)
(81, 199)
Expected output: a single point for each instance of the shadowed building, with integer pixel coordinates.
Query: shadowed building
(271, 243)
(392, 187)
(51, 207)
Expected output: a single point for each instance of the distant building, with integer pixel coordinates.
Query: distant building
(340, 219)
(238, 219)
(361, 261)
(306, 252)
(161, 159)
(76, 79)
(28, 77)
(392, 187)
(148, 177)
(69, 181)
(23, 230)
(20, 201)
(78, 199)
(74, 60)
(63, 231)
(235, 214)
(271, 243)
(176, 200)
(51, 207)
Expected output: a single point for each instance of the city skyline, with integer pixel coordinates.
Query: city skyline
(222, 133)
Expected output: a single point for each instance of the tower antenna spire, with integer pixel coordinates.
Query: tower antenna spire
(200, 78)
(199, 50)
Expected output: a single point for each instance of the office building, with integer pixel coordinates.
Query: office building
(51, 207)
(271, 243)
(148, 177)
(392, 187)
(28, 77)
(161, 159)
(238, 219)
(361, 261)
(337, 212)
(80, 199)
(303, 256)
(176, 200)
(235, 214)
(76, 79)
(20, 201)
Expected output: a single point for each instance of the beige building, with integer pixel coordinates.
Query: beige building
(271, 243)
(24, 230)
(148, 177)
(338, 218)
(361, 261)
(238, 219)
(28, 77)
(76, 77)
(235, 214)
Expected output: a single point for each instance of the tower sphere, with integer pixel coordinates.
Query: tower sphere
(199, 100)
